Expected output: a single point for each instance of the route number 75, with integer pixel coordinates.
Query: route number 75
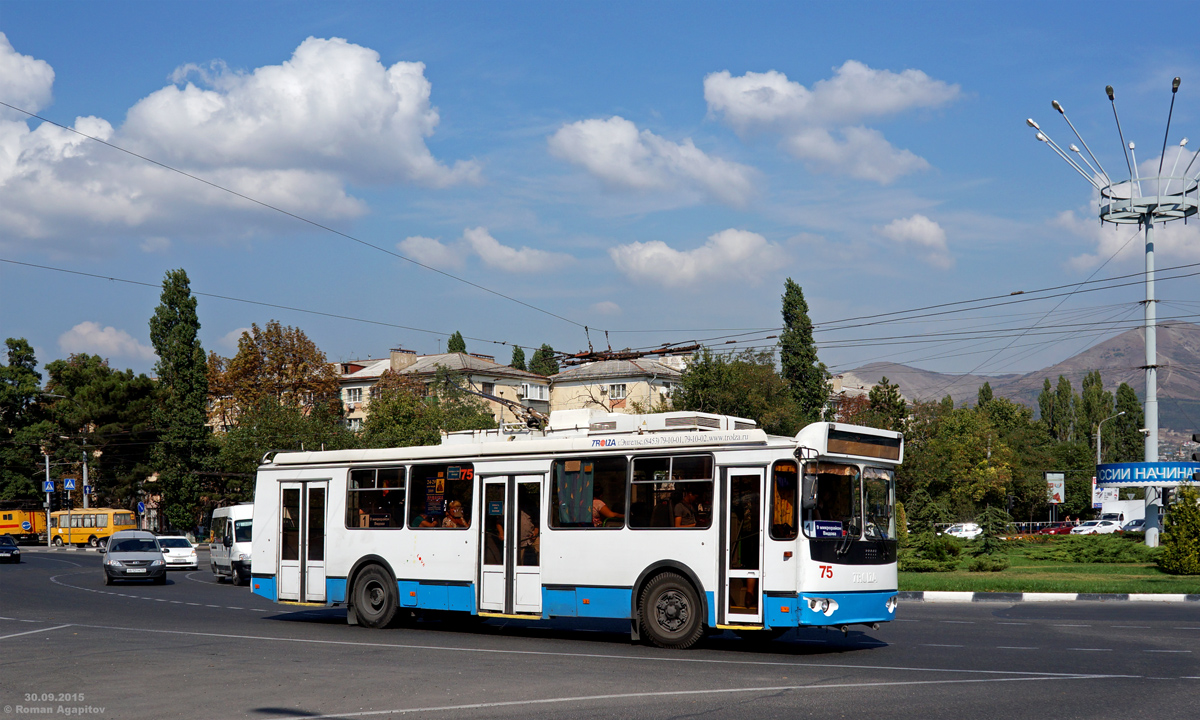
(826, 571)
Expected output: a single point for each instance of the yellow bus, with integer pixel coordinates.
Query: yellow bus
(89, 525)
(25, 524)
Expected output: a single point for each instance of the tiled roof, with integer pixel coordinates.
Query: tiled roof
(462, 362)
(608, 369)
(373, 369)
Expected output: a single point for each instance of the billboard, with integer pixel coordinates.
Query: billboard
(1101, 495)
(1056, 487)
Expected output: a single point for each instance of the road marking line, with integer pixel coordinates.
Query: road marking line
(1185, 628)
(660, 693)
(230, 607)
(216, 606)
(600, 656)
(1137, 627)
(33, 632)
(194, 604)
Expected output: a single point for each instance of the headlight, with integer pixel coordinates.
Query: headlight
(243, 557)
(114, 563)
(156, 562)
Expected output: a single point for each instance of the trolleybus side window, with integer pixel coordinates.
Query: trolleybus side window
(784, 483)
(671, 492)
(375, 498)
(102, 521)
(878, 489)
(588, 493)
(123, 519)
(440, 496)
(837, 512)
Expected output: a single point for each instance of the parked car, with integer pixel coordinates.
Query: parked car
(1135, 525)
(1062, 528)
(1096, 527)
(179, 552)
(134, 555)
(9, 552)
(966, 531)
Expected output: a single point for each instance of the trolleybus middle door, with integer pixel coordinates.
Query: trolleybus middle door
(743, 546)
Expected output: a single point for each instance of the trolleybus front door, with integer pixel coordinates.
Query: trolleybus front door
(510, 559)
(743, 546)
(302, 540)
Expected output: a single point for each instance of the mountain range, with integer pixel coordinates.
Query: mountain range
(1119, 359)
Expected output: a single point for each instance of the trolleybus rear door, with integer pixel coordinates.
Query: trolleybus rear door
(302, 540)
(510, 559)
(743, 546)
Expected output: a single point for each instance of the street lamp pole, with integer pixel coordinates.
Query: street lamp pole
(1098, 426)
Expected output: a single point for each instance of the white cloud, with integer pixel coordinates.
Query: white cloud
(925, 234)
(805, 118)
(293, 135)
(1174, 242)
(230, 339)
(729, 254)
(430, 251)
(25, 82)
(89, 337)
(606, 307)
(620, 155)
(156, 244)
(502, 257)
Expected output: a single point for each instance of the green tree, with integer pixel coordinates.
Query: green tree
(995, 524)
(180, 416)
(1046, 405)
(407, 412)
(23, 424)
(1180, 553)
(518, 358)
(806, 376)
(744, 385)
(456, 344)
(985, 395)
(1064, 410)
(108, 414)
(901, 525)
(544, 361)
(1095, 404)
(1127, 443)
(888, 406)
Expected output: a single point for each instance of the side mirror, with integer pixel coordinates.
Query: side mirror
(227, 541)
(808, 492)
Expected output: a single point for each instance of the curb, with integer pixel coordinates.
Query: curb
(937, 596)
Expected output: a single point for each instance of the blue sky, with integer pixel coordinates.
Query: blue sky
(651, 169)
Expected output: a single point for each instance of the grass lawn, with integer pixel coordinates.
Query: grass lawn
(1026, 574)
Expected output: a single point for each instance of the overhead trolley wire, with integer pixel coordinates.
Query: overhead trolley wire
(294, 216)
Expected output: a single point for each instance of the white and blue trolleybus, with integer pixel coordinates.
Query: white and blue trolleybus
(683, 523)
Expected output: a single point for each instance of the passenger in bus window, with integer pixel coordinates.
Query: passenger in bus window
(601, 512)
(454, 516)
(685, 509)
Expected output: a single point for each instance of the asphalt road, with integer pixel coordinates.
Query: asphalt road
(199, 649)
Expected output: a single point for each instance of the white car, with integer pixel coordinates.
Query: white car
(1096, 527)
(966, 531)
(179, 552)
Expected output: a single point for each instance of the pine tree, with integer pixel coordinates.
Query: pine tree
(544, 362)
(23, 426)
(456, 344)
(887, 405)
(805, 374)
(180, 416)
(1127, 443)
(985, 395)
(518, 358)
(1095, 405)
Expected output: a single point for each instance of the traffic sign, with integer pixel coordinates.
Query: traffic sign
(87, 489)
(141, 508)
(26, 525)
(68, 483)
(48, 486)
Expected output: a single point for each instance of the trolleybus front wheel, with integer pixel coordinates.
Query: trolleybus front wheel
(58, 542)
(374, 598)
(671, 612)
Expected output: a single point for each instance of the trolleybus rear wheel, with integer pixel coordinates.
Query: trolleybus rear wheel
(671, 612)
(58, 542)
(374, 598)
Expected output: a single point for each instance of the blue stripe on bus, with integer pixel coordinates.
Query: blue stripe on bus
(852, 608)
(335, 590)
(583, 601)
(416, 594)
(782, 611)
(264, 586)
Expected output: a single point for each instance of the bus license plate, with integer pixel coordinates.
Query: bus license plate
(136, 570)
